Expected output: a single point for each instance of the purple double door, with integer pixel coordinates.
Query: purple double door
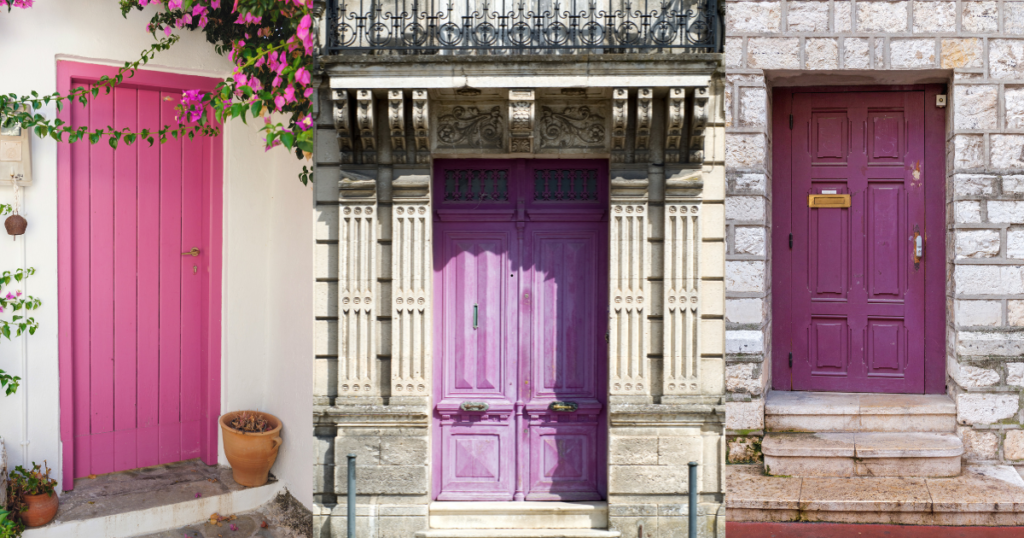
(851, 310)
(520, 250)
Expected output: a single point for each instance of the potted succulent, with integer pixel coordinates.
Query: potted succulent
(251, 442)
(33, 494)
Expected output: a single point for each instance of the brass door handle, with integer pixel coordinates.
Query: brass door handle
(194, 252)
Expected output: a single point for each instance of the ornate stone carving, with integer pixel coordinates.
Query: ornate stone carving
(675, 107)
(681, 307)
(698, 124)
(469, 127)
(396, 125)
(620, 121)
(365, 123)
(343, 125)
(421, 125)
(644, 113)
(521, 114)
(411, 270)
(357, 317)
(576, 127)
(629, 332)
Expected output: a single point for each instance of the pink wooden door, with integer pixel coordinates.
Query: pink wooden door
(136, 303)
(521, 272)
(857, 288)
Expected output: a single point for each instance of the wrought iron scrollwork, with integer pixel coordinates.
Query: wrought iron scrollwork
(522, 26)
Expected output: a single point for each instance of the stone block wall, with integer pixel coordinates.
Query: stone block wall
(978, 48)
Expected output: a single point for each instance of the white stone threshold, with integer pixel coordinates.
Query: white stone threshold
(161, 518)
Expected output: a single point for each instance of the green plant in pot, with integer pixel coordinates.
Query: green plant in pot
(32, 495)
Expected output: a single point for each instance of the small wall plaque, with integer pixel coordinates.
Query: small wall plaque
(820, 201)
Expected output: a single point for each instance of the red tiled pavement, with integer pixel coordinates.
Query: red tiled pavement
(739, 529)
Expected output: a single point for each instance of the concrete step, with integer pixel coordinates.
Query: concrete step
(517, 533)
(879, 454)
(985, 495)
(850, 412)
(519, 515)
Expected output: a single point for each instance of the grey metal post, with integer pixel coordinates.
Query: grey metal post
(692, 518)
(352, 496)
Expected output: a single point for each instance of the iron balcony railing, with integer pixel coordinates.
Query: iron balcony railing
(506, 27)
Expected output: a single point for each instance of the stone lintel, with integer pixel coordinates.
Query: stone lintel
(371, 415)
(411, 185)
(663, 415)
(356, 187)
(683, 184)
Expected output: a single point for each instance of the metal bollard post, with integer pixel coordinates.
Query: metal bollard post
(692, 518)
(352, 496)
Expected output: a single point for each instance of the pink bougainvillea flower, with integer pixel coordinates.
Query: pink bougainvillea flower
(10, 296)
(167, 31)
(302, 76)
(280, 102)
(198, 495)
(304, 34)
(234, 527)
(305, 122)
(174, 4)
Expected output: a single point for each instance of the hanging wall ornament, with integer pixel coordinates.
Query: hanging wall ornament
(15, 224)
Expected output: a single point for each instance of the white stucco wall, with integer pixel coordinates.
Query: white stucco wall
(267, 229)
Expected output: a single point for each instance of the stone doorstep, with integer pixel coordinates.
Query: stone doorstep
(151, 500)
(863, 454)
(517, 533)
(518, 515)
(788, 411)
(984, 495)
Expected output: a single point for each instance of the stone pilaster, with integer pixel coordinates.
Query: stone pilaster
(629, 329)
(681, 353)
(411, 274)
(358, 373)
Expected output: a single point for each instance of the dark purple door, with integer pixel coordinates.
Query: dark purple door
(857, 283)
(521, 288)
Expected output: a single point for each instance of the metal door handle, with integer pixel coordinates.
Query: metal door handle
(476, 315)
(194, 252)
(918, 247)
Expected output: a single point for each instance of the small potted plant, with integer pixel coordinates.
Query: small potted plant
(33, 495)
(251, 442)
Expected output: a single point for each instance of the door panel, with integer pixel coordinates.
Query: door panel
(857, 296)
(522, 315)
(136, 304)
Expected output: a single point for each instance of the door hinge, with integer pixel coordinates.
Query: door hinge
(790, 122)
(790, 241)
(790, 359)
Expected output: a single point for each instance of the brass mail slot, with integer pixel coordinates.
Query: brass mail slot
(828, 200)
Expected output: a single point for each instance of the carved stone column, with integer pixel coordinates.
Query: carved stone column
(411, 273)
(358, 372)
(629, 332)
(698, 124)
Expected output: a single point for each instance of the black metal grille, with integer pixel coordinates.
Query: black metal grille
(522, 27)
(565, 185)
(476, 186)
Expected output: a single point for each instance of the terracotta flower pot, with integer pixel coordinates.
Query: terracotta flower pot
(251, 455)
(15, 225)
(41, 509)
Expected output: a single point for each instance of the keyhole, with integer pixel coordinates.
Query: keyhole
(195, 269)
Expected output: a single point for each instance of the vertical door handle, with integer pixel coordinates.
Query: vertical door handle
(476, 316)
(918, 247)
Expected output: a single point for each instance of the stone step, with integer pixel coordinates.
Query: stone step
(790, 411)
(986, 495)
(879, 454)
(519, 515)
(517, 533)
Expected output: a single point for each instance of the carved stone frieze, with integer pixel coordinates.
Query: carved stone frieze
(396, 125)
(675, 107)
(644, 113)
(421, 125)
(572, 127)
(470, 127)
(682, 291)
(343, 124)
(698, 124)
(521, 114)
(620, 121)
(365, 123)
